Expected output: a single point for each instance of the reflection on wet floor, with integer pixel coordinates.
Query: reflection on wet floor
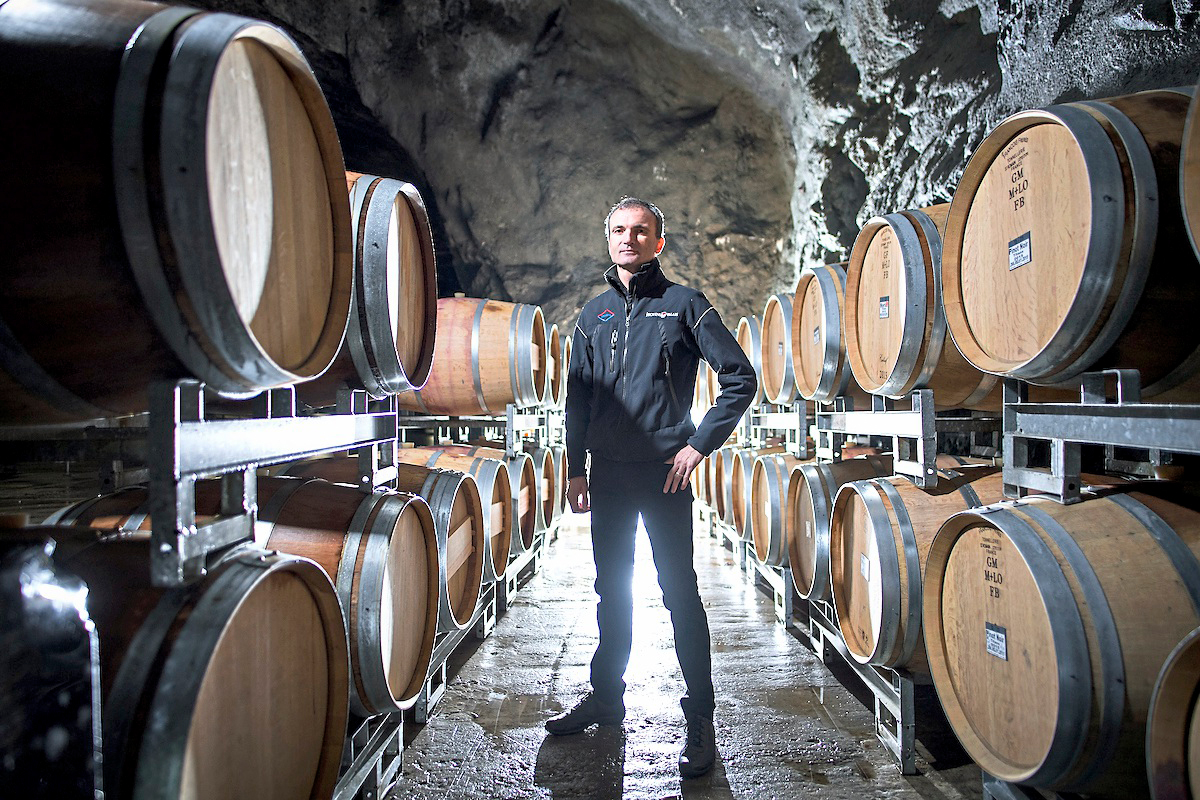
(785, 725)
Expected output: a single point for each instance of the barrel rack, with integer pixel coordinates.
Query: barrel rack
(184, 438)
(1116, 420)
(913, 431)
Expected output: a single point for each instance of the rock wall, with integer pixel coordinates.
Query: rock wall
(768, 132)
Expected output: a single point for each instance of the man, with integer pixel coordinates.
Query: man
(634, 356)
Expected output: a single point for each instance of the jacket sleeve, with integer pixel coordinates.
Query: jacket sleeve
(579, 402)
(734, 373)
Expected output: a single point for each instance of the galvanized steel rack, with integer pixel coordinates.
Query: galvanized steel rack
(522, 567)
(1116, 420)
(769, 421)
(544, 426)
(913, 431)
(996, 789)
(776, 582)
(481, 624)
(894, 691)
(371, 758)
(181, 442)
(186, 446)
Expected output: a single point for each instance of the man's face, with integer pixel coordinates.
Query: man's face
(633, 237)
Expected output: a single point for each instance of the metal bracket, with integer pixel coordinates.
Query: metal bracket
(1114, 420)
(435, 682)
(791, 421)
(996, 789)
(777, 581)
(372, 758)
(894, 692)
(184, 447)
(521, 421)
(913, 432)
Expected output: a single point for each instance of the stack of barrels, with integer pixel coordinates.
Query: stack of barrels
(181, 210)
(1063, 640)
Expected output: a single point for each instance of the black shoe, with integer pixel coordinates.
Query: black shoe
(701, 749)
(588, 711)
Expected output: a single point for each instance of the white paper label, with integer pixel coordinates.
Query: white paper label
(883, 306)
(1020, 252)
(864, 566)
(997, 641)
(807, 529)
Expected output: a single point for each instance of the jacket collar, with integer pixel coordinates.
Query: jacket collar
(649, 276)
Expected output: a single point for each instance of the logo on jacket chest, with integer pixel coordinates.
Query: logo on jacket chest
(605, 315)
(663, 314)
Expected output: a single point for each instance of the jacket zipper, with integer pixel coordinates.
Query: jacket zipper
(625, 344)
(670, 383)
(612, 353)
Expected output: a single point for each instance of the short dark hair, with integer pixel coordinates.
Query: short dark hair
(633, 202)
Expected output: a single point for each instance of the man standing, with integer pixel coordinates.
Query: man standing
(634, 356)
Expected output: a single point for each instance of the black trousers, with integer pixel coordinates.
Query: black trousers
(620, 491)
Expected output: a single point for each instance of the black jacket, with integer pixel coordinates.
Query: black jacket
(633, 367)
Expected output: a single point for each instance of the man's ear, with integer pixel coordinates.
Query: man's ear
(662, 242)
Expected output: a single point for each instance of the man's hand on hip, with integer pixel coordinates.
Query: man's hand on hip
(577, 495)
(681, 468)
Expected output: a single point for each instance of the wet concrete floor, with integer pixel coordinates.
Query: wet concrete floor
(786, 726)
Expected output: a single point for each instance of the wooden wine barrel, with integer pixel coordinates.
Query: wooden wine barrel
(749, 338)
(253, 653)
(770, 525)
(1189, 174)
(454, 499)
(1047, 626)
(524, 479)
(551, 488)
(549, 485)
(741, 480)
(388, 346)
(179, 187)
(488, 354)
(380, 550)
(701, 481)
(558, 455)
(722, 483)
(1173, 725)
(810, 493)
(566, 368)
(778, 372)
(556, 390)
(495, 492)
(703, 395)
(818, 346)
(895, 328)
(879, 536)
(1065, 251)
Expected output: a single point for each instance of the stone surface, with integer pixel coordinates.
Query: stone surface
(767, 131)
(786, 726)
